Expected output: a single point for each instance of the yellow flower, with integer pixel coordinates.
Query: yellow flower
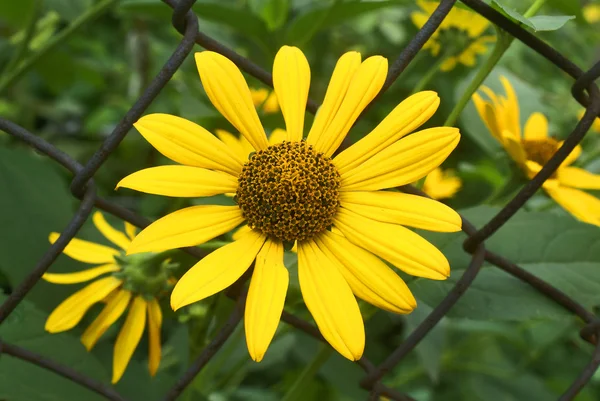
(595, 124)
(459, 38)
(266, 99)
(441, 184)
(109, 290)
(294, 191)
(534, 148)
(591, 13)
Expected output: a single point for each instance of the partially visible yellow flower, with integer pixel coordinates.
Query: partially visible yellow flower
(595, 125)
(266, 99)
(591, 13)
(459, 38)
(143, 310)
(534, 148)
(440, 184)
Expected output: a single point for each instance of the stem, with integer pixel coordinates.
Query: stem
(429, 75)
(535, 7)
(295, 392)
(84, 18)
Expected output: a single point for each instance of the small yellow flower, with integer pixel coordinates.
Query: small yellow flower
(109, 290)
(534, 148)
(595, 125)
(591, 13)
(265, 99)
(441, 184)
(459, 38)
(295, 191)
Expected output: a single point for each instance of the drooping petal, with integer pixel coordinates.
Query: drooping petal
(180, 181)
(187, 143)
(399, 208)
(86, 251)
(81, 276)
(110, 233)
(266, 297)
(582, 205)
(536, 127)
(129, 337)
(193, 225)
(405, 118)
(71, 310)
(578, 178)
(514, 147)
(330, 301)
(112, 311)
(130, 229)
(488, 115)
(512, 108)
(229, 93)
(217, 271)
(291, 81)
(369, 278)
(403, 162)
(401, 247)
(154, 326)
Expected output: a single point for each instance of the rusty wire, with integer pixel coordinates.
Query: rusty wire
(184, 20)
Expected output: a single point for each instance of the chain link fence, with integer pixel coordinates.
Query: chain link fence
(185, 21)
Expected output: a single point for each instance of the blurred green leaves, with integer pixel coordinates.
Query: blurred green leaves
(537, 23)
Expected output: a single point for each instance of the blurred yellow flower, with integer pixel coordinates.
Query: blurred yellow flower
(440, 184)
(293, 190)
(591, 13)
(534, 148)
(459, 38)
(265, 99)
(595, 125)
(144, 310)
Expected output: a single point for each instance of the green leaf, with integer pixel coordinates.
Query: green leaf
(571, 7)
(69, 9)
(23, 381)
(273, 12)
(537, 23)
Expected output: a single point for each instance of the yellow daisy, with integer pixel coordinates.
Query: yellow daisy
(459, 38)
(534, 148)
(295, 190)
(119, 291)
(265, 100)
(441, 184)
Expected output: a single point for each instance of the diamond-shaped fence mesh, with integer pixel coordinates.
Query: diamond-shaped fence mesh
(185, 21)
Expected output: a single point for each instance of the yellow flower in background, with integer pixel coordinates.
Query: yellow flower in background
(265, 100)
(591, 13)
(112, 290)
(534, 148)
(294, 191)
(440, 184)
(459, 38)
(595, 125)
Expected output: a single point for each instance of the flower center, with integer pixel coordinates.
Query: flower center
(540, 150)
(289, 191)
(146, 274)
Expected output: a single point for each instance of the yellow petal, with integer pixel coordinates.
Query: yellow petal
(399, 208)
(71, 310)
(240, 145)
(240, 232)
(401, 247)
(514, 147)
(129, 337)
(536, 127)
(277, 136)
(110, 233)
(403, 162)
(217, 271)
(512, 108)
(154, 325)
(130, 229)
(266, 297)
(369, 278)
(229, 93)
(186, 227)
(85, 251)
(574, 155)
(113, 310)
(187, 143)
(440, 185)
(578, 178)
(488, 115)
(405, 118)
(581, 205)
(342, 76)
(80, 277)
(449, 64)
(291, 81)
(180, 181)
(259, 96)
(271, 105)
(330, 301)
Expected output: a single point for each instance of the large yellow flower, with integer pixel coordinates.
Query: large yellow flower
(534, 148)
(110, 290)
(295, 190)
(459, 38)
(441, 184)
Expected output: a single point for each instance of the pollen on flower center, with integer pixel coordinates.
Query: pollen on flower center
(540, 150)
(289, 191)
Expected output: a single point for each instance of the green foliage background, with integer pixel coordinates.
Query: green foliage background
(502, 341)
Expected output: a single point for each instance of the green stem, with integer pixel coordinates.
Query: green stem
(83, 19)
(535, 7)
(429, 75)
(295, 392)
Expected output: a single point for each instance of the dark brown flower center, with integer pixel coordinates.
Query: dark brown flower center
(540, 150)
(289, 191)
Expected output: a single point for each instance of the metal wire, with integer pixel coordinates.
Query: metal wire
(185, 21)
